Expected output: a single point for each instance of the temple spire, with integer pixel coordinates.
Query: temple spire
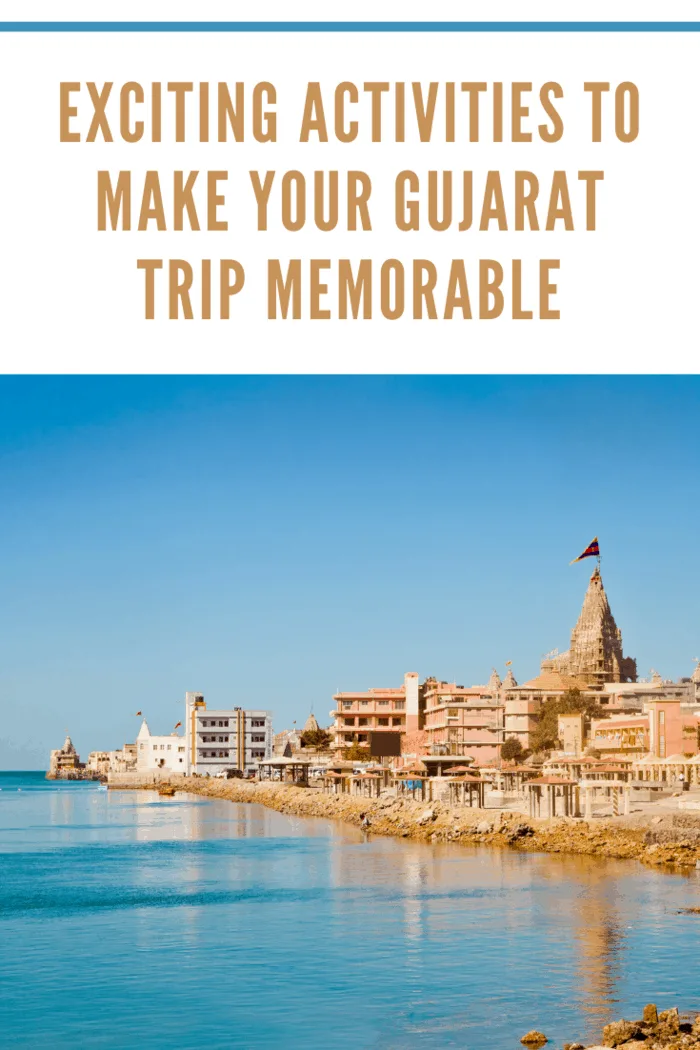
(596, 653)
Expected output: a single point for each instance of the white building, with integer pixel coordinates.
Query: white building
(168, 753)
(222, 739)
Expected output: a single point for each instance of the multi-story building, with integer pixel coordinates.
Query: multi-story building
(227, 738)
(463, 721)
(666, 728)
(358, 714)
(620, 736)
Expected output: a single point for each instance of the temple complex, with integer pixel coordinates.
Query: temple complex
(595, 654)
(65, 764)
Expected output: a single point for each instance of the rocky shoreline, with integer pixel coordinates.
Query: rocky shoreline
(669, 840)
(667, 1030)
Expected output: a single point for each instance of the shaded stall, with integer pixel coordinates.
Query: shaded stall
(467, 791)
(285, 770)
(560, 797)
(366, 785)
(335, 783)
(512, 780)
(413, 783)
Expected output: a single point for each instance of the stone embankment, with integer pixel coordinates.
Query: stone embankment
(667, 1030)
(672, 839)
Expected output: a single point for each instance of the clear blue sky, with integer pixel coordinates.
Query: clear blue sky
(268, 540)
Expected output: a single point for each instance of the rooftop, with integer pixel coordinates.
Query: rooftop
(554, 681)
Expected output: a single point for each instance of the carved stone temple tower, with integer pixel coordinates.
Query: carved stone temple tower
(595, 653)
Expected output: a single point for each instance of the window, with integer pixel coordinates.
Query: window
(348, 738)
(349, 721)
(383, 703)
(453, 712)
(141, 747)
(258, 739)
(155, 747)
(383, 721)
(363, 703)
(347, 705)
(169, 747)
(399, 705)
(258, 754)
(396, 721)
(258, 723)
(182, 750)
(362, 722)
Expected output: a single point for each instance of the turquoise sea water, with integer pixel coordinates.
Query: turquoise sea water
(127, 920)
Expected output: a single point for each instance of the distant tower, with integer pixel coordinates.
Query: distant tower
(494, 683)
(509, 681)
(595, 653)
(311, 725)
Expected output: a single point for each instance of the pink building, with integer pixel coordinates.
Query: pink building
(665, 729)
(461, 720)
(357, 714)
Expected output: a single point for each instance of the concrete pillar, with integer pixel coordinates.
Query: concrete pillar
(626, 794)
(588, 796)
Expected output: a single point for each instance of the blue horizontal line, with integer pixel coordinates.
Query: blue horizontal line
(349, 27)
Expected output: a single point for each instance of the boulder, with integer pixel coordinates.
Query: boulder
(620, 1032)
(649, 1015)
(670, 1018)
(484, 828)
(534, 1038)
(427, 816)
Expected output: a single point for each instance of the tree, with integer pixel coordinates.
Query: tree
(357, 753)
(511, 749)
(316, 738)
(546, 734)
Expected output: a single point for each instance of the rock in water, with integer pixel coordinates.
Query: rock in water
(621, 1032)
(534, 1038)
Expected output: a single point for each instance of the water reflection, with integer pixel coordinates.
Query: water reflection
(342, 936)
